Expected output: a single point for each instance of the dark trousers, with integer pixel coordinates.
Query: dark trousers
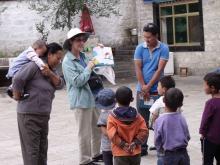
(33, 132)
(210, 151)
(179, 157)
(145, 113)
(107, 157)
(127, 160)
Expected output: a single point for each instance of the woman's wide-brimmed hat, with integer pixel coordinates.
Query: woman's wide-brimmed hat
(75, 32)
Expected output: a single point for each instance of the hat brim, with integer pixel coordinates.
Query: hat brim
(81, 34)
(99, 106)
(66, 42)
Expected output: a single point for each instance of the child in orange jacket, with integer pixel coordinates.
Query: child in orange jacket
(126, 130)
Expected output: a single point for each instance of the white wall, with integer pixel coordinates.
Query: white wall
(144, 16)
(17, 26)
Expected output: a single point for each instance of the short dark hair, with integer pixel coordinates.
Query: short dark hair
(53, 47)
(213, 79)
(152, 28)
(173, 98)
(124, 96)
(39, 44)
(167, 82)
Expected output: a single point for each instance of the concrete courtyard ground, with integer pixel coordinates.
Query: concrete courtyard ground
(63, 139)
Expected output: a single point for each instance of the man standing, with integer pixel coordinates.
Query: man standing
(150, 59)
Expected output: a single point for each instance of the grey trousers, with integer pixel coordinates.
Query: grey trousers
(89, 135)
(127, 160)
(33, 132)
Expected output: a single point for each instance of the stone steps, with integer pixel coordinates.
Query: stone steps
(124, 63)
(124, 52)
(126, 47)
(124, 74)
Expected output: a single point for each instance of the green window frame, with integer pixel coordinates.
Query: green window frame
(181, 24)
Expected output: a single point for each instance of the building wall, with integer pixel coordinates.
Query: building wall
(17, 26)
(144, 16)
(17, 31)
(198, 63)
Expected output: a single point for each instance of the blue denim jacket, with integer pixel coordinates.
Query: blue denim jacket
(76, 76)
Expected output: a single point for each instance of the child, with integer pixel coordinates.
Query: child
(38, 49)
(105, 101)
(210, 124)
(158, 107)
(171, 134)
(126, 129)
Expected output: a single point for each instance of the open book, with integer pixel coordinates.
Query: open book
(103, 56)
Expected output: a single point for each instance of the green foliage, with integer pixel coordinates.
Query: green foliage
(104, 8)
(41, 28)
(61, 13)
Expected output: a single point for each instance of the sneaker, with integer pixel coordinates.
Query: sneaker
(24, 96)
(9, 91)
(98, 158)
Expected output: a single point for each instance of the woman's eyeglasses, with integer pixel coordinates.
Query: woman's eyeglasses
(80, 39)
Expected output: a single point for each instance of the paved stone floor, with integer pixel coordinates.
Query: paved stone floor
(63, 139)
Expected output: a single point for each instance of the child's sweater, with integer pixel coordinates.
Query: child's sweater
(210, 124)
(125, 124)
(171, 132)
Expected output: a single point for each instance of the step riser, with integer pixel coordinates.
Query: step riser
(124, 63)
(131, 53)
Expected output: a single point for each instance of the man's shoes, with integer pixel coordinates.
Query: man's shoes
(24, 96)
(98, 158)
(144, 153)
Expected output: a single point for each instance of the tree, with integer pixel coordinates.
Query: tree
(62, 13)
(41, 28)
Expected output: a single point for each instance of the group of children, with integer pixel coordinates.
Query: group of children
(124, 130)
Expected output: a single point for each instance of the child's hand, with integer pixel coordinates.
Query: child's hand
(45, 66)
(132, 147)
(16, 95)
(126, 147)
(46, 71)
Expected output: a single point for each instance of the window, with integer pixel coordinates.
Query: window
(181, 25)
